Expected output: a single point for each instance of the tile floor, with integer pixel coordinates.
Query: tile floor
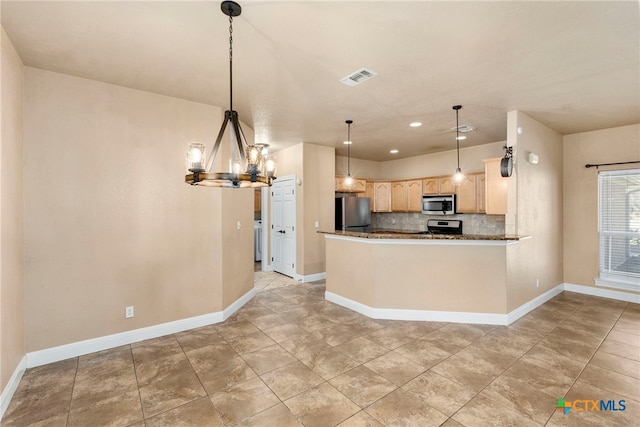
(290, 358)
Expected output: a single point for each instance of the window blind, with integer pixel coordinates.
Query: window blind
(619, 228)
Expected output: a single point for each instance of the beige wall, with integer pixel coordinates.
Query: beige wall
(359, 168)
(418, 276)
(314, 166)
(109, 221)
(435, 164)
(319, 204)
(581, 193)
(538, 193)
(12, 347)
(290, 162)
(235, 246)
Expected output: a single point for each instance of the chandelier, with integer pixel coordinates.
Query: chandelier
(249, 165)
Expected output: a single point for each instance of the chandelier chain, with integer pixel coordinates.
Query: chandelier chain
(230, 38)
(230, 63)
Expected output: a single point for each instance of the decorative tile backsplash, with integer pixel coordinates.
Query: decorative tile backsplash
(488, 225)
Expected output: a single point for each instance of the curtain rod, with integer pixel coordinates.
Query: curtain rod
(609, 164)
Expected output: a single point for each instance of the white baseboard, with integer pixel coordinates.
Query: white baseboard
(533, 304)
(445, 316)
(604, 293)
(420, 315)
(311, 277)
(12, 386)
(483, 318)
(67, 351)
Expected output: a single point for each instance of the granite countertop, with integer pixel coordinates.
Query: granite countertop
(407, 234)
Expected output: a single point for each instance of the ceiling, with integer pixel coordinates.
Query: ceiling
(573, 66)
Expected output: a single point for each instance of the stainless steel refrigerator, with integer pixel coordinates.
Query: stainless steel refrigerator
(353, 213)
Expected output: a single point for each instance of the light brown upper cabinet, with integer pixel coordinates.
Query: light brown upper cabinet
(468, 200)
(430, 186)
(446, 185)
(368, 192)
(399, 196)
(480, 192)
(357, 187)
(406, 196)
(414, 195)
(438, 185)
(382, 197)
(495, 188)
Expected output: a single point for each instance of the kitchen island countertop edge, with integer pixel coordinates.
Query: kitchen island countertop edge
(412, 235)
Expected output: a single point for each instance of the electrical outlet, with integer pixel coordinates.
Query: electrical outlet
(128, 312)
(537, 282)
(317, 224)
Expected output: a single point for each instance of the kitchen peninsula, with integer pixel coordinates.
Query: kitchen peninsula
(391, 274)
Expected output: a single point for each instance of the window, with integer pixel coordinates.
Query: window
(619, 229)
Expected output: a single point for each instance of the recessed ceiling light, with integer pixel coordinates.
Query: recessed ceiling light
(461, 137)
(415, 124)
(394, 151)
(347, 142)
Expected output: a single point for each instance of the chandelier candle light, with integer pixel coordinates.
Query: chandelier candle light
(348, 181)
(459, 176)
(249, 166)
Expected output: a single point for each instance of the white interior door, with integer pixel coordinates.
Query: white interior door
(283, 225)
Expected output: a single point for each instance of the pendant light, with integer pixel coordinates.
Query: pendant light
(459, 176)
(348, 181)
(248, 167)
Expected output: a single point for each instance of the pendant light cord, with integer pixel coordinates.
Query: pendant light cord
(349, 149)
(230, 63)
(458, 138)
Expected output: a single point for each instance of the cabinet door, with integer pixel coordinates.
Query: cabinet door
(414, 196)
(382, 197)
(466, 195)
(368, 192)
(446, 185)
(495, 188)
(480, 196)
(399, 196)
(359, 186)
(430, 186)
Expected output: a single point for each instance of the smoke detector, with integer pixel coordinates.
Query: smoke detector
(359, 76)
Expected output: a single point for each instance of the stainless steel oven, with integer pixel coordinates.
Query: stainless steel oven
(439, 204)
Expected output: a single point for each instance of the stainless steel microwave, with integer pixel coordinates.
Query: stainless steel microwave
(439, 204)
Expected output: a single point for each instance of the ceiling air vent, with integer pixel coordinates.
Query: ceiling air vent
(357, 77)
(463, 128)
